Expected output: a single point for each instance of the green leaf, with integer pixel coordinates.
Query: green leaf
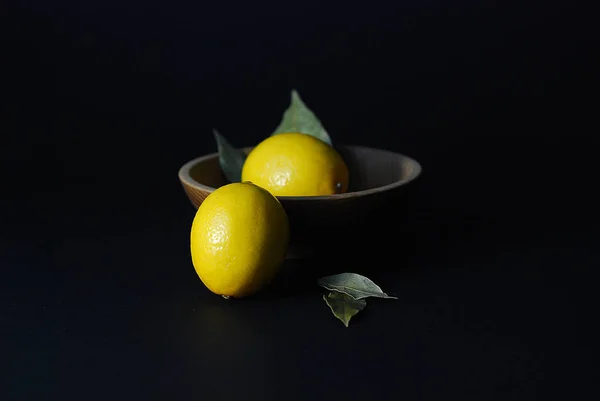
(231, 159)
(299, 118)
(355, 285)
(343, 306)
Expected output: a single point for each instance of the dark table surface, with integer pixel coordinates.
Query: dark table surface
(491, 254)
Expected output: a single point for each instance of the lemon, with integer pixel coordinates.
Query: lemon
(239, 239)
(296, 164)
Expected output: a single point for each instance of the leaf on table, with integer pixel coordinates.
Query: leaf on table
(299, 118)
(344, 307)
(355, 285)
(231, 159)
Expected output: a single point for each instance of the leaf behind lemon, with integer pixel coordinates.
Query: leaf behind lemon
(299, 118)
(354, 285)
(343, 306)
(231, 159)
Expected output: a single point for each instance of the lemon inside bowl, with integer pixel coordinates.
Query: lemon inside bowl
(377, 177)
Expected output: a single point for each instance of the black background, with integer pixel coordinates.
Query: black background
(491, 256)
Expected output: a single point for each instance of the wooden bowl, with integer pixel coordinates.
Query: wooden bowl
(377, 178)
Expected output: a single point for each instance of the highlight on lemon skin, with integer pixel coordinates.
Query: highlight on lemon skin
(296, 164)
(239, 239)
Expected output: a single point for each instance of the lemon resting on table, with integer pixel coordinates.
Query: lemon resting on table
(239, 239)
(296, 164)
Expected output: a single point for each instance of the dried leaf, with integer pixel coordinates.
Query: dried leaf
(231, 159)
(299, 118)
(355, 285)
(343, 306)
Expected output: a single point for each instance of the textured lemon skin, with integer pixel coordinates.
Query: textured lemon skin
(296, 164)
(239, 239)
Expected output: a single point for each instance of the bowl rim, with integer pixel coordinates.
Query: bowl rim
(185, 177)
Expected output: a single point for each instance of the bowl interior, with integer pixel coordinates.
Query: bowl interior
(377, 168)
(208, 172)
(369, 169)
